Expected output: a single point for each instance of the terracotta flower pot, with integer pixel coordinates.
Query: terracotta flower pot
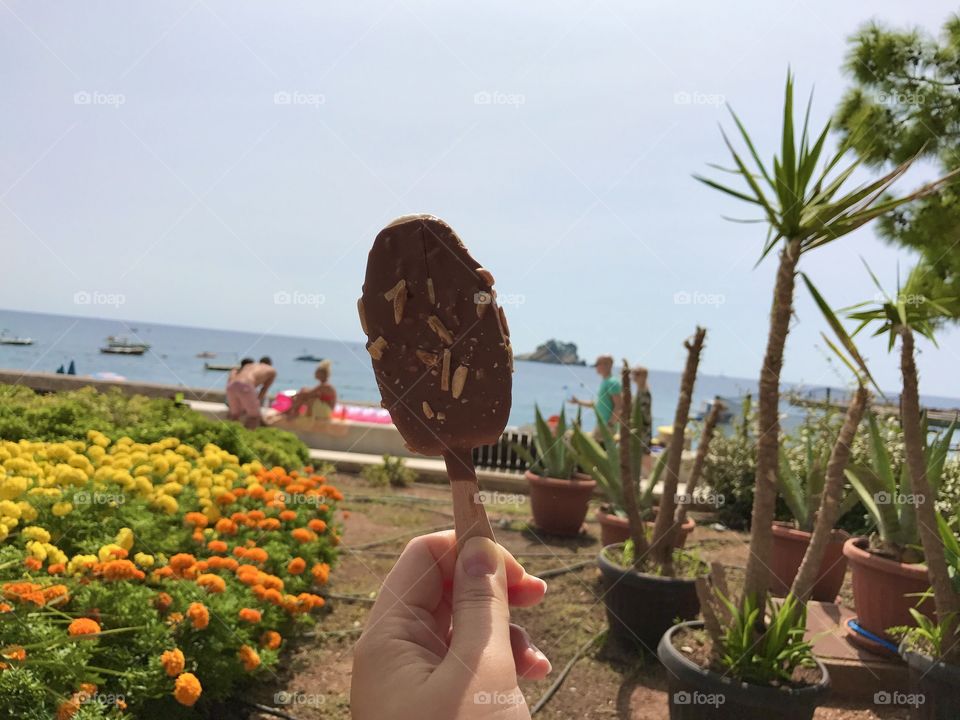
(559, 506)
(616, 529)
(883, 590)
(789, 547)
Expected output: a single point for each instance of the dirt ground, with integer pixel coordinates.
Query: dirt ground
(605, 682)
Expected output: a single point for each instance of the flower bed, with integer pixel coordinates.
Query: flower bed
(142, 579)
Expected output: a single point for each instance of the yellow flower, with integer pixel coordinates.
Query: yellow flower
(9, 509)
(61, 509)
(166, 503)
(109, 551)
(34, 532)
(144, 560)
(125, 538)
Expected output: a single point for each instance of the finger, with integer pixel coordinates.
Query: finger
(531, 663)
(481, 613)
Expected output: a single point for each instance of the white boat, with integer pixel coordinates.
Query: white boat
(8, 339)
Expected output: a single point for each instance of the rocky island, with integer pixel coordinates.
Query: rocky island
(556, 352)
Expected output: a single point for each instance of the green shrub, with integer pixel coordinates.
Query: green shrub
(25, 414)
(392, 471)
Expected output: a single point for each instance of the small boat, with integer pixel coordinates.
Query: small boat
(123, 350)
(216, 367)
(123, 342)
(308, 358)
(7, 339)
(206, 354)
(726, 414)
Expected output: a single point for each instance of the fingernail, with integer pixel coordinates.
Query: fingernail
(479, 557)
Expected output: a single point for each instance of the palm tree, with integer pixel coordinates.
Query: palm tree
(904, 316)
(804, 210)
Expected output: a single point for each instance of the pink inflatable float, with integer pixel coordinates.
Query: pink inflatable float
(357, 413)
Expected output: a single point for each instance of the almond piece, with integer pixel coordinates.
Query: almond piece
(438, 327)
(459, 380)
(427, 358)
(430, 293)
(485, 275)
(377, 347)
(445, 371)
(392, 292)
(427, 410)
(399, 302)
(363, 316)
(503, 322)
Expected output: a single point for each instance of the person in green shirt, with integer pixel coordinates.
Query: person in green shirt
(608, 400)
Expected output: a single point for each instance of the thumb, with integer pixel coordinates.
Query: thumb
(481, 612)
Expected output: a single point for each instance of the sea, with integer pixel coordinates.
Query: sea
(173, 359)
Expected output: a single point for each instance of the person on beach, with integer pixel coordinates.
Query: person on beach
(243, 397)
(323, 392)
(608, 399)
(439, 642)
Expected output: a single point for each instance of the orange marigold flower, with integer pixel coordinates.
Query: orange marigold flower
(272, 596)
(172, 661)
(302, 535)
(161, 573)
(317, 525)
(256, 515)
(217, 546)
(297, 566)
(269, 524)
(87, 689)
(175, 618)
(56, 569)
(212, 583)
(225, 526)
(5, 607)
(320, 572)
(182, 561)
(240, 492)
(56, 594)
(271, 640)
(196, 519)
(250, 615)
(309, 601)
(271, 581)
(257, 555)
(228, 498)
(249, 657)
(199, 615)
(68, 708)
(83, 626)
(32, 563)
(162, 602)
(14, 652)
(187, 689)
(121, 570)
(198, 536)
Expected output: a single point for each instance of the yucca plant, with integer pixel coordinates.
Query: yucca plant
(554, 457)
(903, 317)
(802, 198)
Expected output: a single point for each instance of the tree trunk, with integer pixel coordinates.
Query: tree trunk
(829, 510)
(946, 601)
(709, 425)
(663, 529)
(768, 422)
(637, 531)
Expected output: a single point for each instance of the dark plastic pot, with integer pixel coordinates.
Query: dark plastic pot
(884, 590)
(695, 693)
(641, 607)
(616, 529)
(789, 547)
(559, 506)
(934, 688)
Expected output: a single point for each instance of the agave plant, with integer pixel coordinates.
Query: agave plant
(602, 462)
(804, 209)
(802, 490)
(889, 497)
(554, 457)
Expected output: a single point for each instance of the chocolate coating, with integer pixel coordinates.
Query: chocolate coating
(440, 349)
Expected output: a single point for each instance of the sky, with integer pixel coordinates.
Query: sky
(228, 164)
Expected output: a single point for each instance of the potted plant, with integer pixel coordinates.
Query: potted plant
(905, 511)
(650, 582)
(805, 209)
(602, 462)
(559, 495)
